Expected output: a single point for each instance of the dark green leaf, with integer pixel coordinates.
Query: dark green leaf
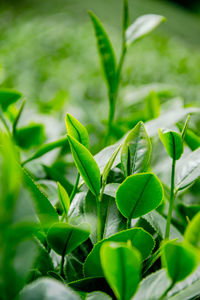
(77, 130)
(30, 136)
(64, 238)
(136, 151)
(86, 165)
(142, 26)
(139, 238)
(180, 260)
(122, 267)
(73, 268)
(125, 16)
(173, 143)
(105, 51)
(8, 97)
(139, 194)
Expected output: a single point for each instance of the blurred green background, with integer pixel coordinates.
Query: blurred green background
(48, 52)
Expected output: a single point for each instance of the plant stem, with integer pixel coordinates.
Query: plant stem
(172, 197)
(128, 224)
(72, 194)
(113, 95)
(166, 292)
(62, 265)
(98, 199)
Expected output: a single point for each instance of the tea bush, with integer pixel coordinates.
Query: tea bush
(123, 224)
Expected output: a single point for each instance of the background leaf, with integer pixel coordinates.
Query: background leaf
(8, 97)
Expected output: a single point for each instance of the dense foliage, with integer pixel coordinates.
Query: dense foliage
(123, 224)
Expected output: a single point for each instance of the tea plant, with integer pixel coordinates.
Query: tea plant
(120, 231)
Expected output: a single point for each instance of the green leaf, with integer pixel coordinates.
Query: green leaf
(139, 238)
(153, 286)
(30, 136)
(188, 170)
(139, 194)
(46, 148)
(192, 139)
(48, 289)
(172, 142)
(109, 165)
(86, 165)
(77, 130)
(73, 268)
(91, 284)
(64, 238)
(152, 106)
(185, 127)
(106, 52)
(136, 151)
(192, 233)
(64, 198)
(192, 291)
(142, 26)
(179, 259)
(122, 267)
(44, 209)
(8, 97)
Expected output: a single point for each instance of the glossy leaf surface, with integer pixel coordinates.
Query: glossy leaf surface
(109, 165)
(77, 130)
(86, 165)
(139, 238)
(139, 194)
(64, 238)
(136, 151)
(122, 267)
(172, 142)
(142, 26)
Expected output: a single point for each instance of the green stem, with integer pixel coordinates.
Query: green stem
(113, 95)
(72, 195)
(128, 224)
(166, 292)
(172, 197)
(61, 272)
(98, 218)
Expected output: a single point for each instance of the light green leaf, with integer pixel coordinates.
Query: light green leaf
(8, 97)
(106, 52)
(48, 289)
(109, 165)
(122, 268)
(136, 151)
(64, 238)
(188, 170)
(77, 130)
(98, 295)
(179, 259)
(192, 233)
(138, 237)
(86, 165)
(152, 106)
(142, 26)
(139, 194)
(64, 198)
(172, 142)
(192, 291)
